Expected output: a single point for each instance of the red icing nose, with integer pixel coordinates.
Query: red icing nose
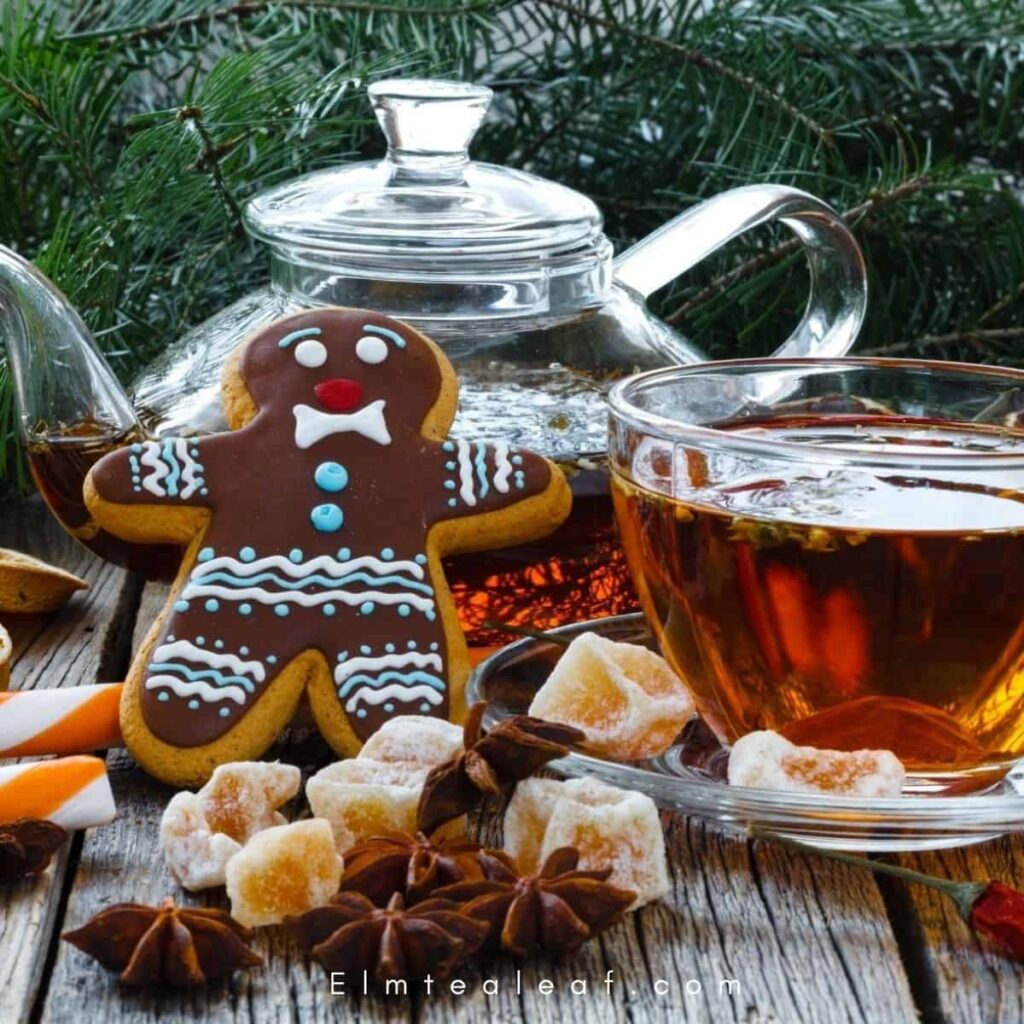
(339, 394)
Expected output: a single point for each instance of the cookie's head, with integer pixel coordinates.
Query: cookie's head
(344, 371)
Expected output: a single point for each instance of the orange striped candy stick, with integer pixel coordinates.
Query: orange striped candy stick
(74, 792)
(74, 720)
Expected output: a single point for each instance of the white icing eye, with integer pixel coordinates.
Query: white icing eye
(310, 353)
(371, 350)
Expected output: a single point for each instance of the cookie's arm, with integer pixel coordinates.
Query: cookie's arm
(480, 478)
(175, 473)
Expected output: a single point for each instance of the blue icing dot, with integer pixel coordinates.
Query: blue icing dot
(365, 649)
(200, 640)
(136, 448)
(281, 610)
(271, 659)
(344, 554)
(193, 704)
(247, 554)
(421, 559)
(243, 649)
(424, 708)
(389, 707)
(205, 491)
(295, 555)
(135, 479)
(431, 614)
(517, 460)
(163, 695)
(404, 610)
(433, 647)
(450, 466)
(200, 468)
(136, 488)
(224, 712)
(361, 713)
(452, 502)
(329, 609)
(245, 609)
(326, 518)
(449, 446)
(195, 452)
(170, 639)
(366, 608)
(331, 477)
(212, 605)
(343, 656)
(390, 648)
(449, 485)
(387, 554)
(411, 645)
(218, 644)
(205, 555)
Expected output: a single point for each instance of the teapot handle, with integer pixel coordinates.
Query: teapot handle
(839, 288)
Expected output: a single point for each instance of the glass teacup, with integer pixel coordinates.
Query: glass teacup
(832, 549)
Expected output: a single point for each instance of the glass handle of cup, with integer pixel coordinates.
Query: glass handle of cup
(838, 293)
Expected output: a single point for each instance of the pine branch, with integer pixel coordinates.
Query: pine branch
(210, 160)
(252, 8)
(981, 339)
(853, 217)
(704, 61)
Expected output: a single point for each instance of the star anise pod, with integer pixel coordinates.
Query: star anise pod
(556, 910)
(350, 934)
(512, 750)
(413, 865)
(26, 846)
(166, 945)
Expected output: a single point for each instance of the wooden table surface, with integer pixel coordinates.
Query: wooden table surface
(750, 932)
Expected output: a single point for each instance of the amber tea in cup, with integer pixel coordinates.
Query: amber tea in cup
(833, 550)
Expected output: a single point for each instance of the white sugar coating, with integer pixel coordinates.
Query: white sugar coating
(241, 798)
(195, 856)
(627, 699)
(281, 871)
(612, 828)
(414, 739)
(766, 760)
(361, 798)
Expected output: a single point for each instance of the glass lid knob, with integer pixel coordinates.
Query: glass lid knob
(429, 126)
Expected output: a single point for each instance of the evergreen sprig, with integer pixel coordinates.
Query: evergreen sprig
(133, 132)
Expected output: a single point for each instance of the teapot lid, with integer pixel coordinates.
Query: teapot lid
(427, 213)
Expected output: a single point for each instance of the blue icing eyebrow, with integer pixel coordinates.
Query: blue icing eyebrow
(306, 332)
(384, 332)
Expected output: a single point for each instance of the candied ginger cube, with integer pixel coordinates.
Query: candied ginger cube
(242, 798)
(284, 870)
(195, 855)
(414, 739)
(625, 698)
(766, 760)
(612, 828)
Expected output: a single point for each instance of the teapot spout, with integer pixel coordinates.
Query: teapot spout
(62, 384)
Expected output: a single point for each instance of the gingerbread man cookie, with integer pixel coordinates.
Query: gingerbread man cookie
(315, 530)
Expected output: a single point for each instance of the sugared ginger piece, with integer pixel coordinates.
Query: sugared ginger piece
(242, 798)
(766, 760)
(610, 827)
(626, 699)
(195, 855)
(414, 740)
(282, 871)
(363, 798)
(200, 832)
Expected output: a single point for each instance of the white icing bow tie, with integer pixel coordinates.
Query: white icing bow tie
(311, 425)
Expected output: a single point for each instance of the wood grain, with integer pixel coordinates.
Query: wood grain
(82, 643)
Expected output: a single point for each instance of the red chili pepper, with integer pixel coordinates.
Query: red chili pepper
(998, 915)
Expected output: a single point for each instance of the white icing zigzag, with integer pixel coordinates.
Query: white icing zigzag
(466, 474)
(191, 478)
(504, 467)
(187, 688)
(323, 564)
(174, 472)
(188, 651)
(394, 691)
(151, 457)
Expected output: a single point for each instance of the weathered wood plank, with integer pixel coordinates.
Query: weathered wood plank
(966, 979)
(83, 643)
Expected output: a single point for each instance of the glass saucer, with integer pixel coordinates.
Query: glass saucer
(690, 776)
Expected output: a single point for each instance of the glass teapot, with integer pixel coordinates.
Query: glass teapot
(513, 276)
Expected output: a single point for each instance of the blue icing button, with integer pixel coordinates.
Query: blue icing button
(387, 554)
(245, 608)
(205, 555)
(404, 610)
(163, 695)
(327, 518)
(366, 608)
(212, 605)
(224, 712)
(449, 446)
(295, 555)
(329, 609)
(247, 554)
(181, 606)
(331, 477)
(281, 610)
